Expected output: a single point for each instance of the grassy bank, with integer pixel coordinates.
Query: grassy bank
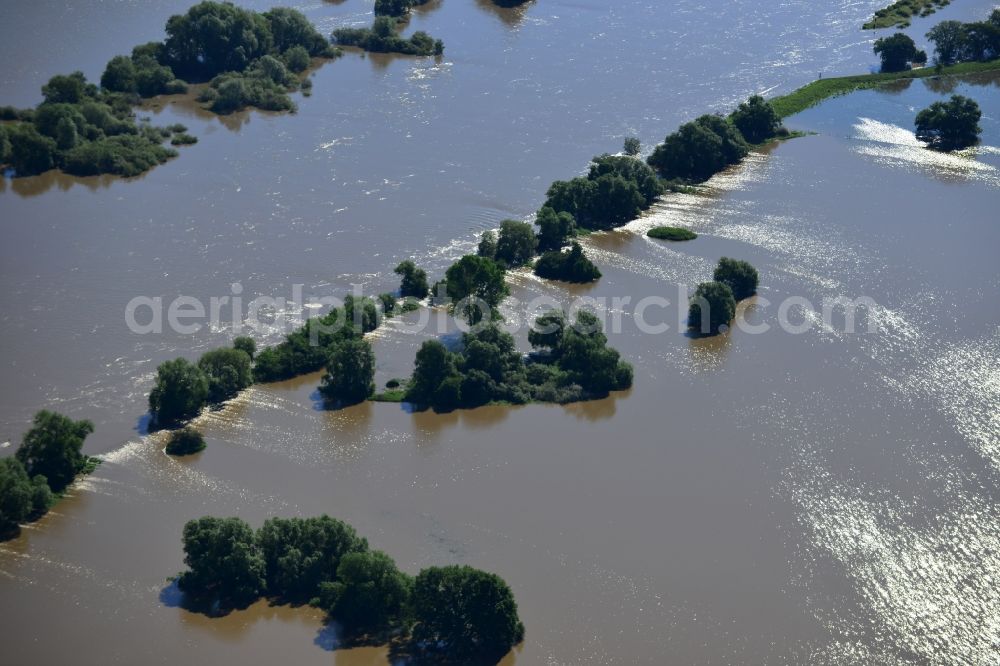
(900, 13)
(817, 91)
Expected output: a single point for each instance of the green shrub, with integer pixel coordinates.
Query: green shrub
(572, 266)
(712, 306)
(671, 234)
(184, 442)
(740, 276)
(699, 149)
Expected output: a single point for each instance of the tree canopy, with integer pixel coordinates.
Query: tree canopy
(756, 120)
(955, 41)
(224, 562)
(184, 442)
(699, 149)
(553, 228)
(516, 243)
(712, 306)
(302, 553)
(456, 613)
(414, 280)
(574, 363)
(469, 612)
(349, 373)
(370, 591)
(474, 284)
(228, 372)
(572, 266)
(180, 391)
(382, 38)
(52, 448)
(615, 191)
(950, 125)
(21, 497)
(740, 276)
(897, 52)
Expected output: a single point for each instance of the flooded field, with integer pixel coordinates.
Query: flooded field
(784, 498)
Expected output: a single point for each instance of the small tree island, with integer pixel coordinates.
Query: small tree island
(951, 125)
(446, 614)
(713, 304)
(47, 461)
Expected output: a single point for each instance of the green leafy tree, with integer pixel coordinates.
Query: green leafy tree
(31, 153)
(949, 41)
(572, 266)
(349, 373)
(487, 245)
(474, 281)
(699, 149)
(224, 562)
(215, 37)
(370, 592)
(52, 448)
(756, 119)
(246, 345)
(296, 59)
(896, 52)
(740, 276)
(397, 8)
(299, 554)
(4, 145)
(119, 75)
(584, 355)
(184, 442)
(548, 330)
(635, 172)
(632, 146)
(181, 390)
(471, 612)
(414, 280)
(360, 313)
(950, 125)
(290, 28)
(15, 494)
(516, 243)
(434, 363)
(228, 372)
(553, 228)
(712, 306)
(67, 89)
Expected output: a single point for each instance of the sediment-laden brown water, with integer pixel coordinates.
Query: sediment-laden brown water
(820, 497)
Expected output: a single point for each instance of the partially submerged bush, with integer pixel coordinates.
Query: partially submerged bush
(184, 442)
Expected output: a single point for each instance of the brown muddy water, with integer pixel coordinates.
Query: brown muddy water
(777, 498)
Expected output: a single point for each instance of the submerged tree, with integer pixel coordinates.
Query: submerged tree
(470, 613)
(181, 390)
(712, 306)
(225, 564)
(740, 276)
(52, 448)
(475, 284)
(301, 553)
(21, 497)
(370, 592)
(950, 125)
(349, 373)
(699, 149)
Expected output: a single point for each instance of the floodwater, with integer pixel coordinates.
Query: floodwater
(783, 498)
